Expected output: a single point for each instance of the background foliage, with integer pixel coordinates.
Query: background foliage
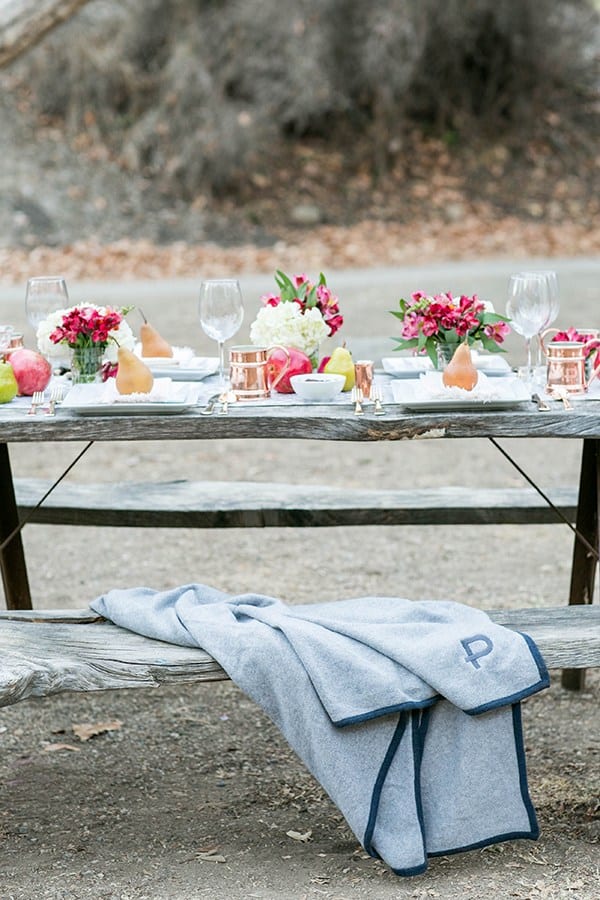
(193, 93)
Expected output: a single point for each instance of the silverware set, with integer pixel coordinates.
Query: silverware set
(224, 398)
(555, 393)
(37, 401)
(375, 397)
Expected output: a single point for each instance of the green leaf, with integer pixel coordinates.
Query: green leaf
(488, 318)
(430, 346)
(405, 343)
(491, 346)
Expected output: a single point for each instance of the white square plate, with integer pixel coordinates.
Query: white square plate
(103, 400)
(429, 394)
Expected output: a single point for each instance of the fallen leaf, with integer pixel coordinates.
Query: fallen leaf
(87, 730)
(211, 855)
(52, 748)
(303, 838)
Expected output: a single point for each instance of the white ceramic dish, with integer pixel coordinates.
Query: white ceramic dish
(429, 394)
(198, 368)
(318, 386)
(493, 365)
(100, 400)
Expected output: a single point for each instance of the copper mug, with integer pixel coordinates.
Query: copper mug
(566, 363)
(250, 373)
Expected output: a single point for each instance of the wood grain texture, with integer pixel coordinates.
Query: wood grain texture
(41, 654)
(184, 504)
(303, 423)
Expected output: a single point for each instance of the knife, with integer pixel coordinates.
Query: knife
(541, 404)
(210, 405)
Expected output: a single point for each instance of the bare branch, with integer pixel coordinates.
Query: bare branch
(24, 23)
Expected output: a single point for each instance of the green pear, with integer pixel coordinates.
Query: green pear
(341, 363)
(8, 383)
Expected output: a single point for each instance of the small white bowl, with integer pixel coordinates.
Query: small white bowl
(317, 386)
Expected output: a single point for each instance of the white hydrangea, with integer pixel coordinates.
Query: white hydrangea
(287, 325)
(123, 335)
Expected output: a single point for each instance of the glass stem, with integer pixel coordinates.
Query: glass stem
(539, 357)
(222, 363)
(529, 366)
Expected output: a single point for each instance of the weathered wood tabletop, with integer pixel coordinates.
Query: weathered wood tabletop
(304, 422)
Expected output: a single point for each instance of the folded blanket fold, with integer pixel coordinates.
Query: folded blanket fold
(406, 712)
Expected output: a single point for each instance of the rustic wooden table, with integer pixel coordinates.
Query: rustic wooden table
(316, 422)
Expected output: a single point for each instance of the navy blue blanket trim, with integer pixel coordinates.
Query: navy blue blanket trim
(534, 832)
(385, 711)
(540, 685)
(420, 722)
(379, 782)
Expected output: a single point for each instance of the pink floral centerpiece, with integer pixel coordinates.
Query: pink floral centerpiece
(93, 334)
(437, 324)
(301, 315)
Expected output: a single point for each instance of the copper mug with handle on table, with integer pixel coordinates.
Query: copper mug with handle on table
(566, 362)
(250, 373)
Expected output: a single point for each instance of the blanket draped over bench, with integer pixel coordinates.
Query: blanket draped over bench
(406, 712)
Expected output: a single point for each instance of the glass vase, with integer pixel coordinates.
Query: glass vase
(86, 364)
(444, 352)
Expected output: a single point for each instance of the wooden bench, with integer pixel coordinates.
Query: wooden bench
(184, 504)
(48, 652)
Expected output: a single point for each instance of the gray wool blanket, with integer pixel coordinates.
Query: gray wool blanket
(406, 712)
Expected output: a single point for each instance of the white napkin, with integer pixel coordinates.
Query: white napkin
(163, 390)
(431, 387)
(182, 356)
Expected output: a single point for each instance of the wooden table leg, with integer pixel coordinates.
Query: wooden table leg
(584, 566)
(12, 558)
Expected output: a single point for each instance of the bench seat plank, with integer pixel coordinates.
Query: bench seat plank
(185, 504)
(44, 653)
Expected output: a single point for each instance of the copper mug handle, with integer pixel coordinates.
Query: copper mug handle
(543, 335)
(272, 383)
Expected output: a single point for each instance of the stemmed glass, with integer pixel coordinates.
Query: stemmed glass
(529, 308)
(44, 294)
(553, 304)
(221, 313)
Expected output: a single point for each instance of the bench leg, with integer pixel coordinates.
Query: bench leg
(12, 558)
(584, 566)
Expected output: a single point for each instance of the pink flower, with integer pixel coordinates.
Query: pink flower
(496, 332)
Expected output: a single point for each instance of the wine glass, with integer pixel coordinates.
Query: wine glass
(221, 313)
(529, 308)
(44, 294)
(553, 305)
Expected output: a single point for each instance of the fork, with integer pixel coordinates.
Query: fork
(37, 399)
(377, 398)
(56, 395)
(357, 399)
(561, 394)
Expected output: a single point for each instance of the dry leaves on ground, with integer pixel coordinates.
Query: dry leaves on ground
(86, 730)
(370, 243)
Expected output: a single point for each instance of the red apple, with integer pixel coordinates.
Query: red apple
(323, 363)
(299, 364)
(32, 370)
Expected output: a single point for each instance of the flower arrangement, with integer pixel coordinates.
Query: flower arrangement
(301, 315)
(429, 322)
(85, 326)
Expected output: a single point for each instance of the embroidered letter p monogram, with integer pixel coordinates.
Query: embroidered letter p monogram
(474, 656)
